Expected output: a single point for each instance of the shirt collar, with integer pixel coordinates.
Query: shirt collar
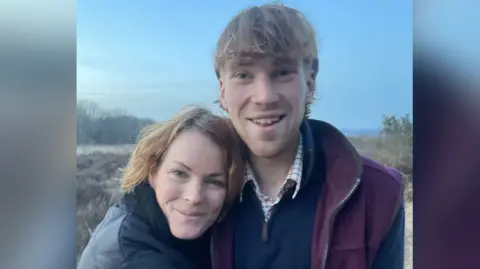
(295, 172)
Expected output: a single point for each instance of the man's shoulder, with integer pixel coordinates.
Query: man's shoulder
(383, 187)
(379, 173)
(371, 169)
(384, 180)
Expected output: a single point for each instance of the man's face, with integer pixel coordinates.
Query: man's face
(266, 98)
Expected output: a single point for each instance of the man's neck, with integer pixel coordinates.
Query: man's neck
(270, 173)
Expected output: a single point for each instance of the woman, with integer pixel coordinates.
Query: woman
(182, 177)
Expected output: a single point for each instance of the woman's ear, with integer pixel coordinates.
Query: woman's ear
(154, 168)
(151, 179)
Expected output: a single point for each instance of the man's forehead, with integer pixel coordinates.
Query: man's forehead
(251, 59)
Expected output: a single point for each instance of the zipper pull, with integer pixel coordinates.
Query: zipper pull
(265, 231)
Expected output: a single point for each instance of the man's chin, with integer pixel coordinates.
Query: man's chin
(267, 150)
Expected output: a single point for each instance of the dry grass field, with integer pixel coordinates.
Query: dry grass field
(98, 173)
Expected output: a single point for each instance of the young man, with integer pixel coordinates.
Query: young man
(309, 200)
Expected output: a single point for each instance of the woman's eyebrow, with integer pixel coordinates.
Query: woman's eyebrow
(215, 174)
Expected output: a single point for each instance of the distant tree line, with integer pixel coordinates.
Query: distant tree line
(96, 126)
(398, 126)
(397, 138)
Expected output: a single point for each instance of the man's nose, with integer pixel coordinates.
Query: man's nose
(264, 91)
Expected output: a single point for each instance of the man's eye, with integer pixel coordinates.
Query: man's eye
(240, 75)
(283, 72)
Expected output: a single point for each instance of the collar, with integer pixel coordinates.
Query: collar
(142, 204)
(295, 172)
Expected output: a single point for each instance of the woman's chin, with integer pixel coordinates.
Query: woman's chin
(187, 233)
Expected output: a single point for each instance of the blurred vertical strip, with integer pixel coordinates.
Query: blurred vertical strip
(446, 102)
(37, 133)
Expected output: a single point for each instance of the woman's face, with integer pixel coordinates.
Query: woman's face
(190, 184)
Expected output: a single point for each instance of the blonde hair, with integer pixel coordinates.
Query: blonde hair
(156, 139)
(269, 30)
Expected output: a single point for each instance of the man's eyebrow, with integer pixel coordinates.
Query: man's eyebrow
(284, 61)
(248, 61)
(241, 63)
(245, 59)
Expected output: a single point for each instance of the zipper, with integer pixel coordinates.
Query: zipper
(266, 220)
(212, 262)
(310, 166)
(265, 231)
(339, 206)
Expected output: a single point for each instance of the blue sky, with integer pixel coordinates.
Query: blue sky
(152, 57)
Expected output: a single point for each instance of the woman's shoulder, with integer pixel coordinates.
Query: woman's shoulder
(104, 247)
(143, 247)
(122, 240)
(126, 239)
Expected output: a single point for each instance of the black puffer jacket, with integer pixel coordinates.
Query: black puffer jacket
(134, 235)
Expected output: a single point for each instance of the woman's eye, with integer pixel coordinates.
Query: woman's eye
(179, 173)
(216, 182)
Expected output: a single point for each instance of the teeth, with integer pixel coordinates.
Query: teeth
(266, 120)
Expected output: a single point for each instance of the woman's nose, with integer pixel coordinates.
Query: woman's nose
(193, 193)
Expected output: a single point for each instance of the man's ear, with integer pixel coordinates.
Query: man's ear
(223, 102)
(311, 87)
(311, 81)
(310, 97)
